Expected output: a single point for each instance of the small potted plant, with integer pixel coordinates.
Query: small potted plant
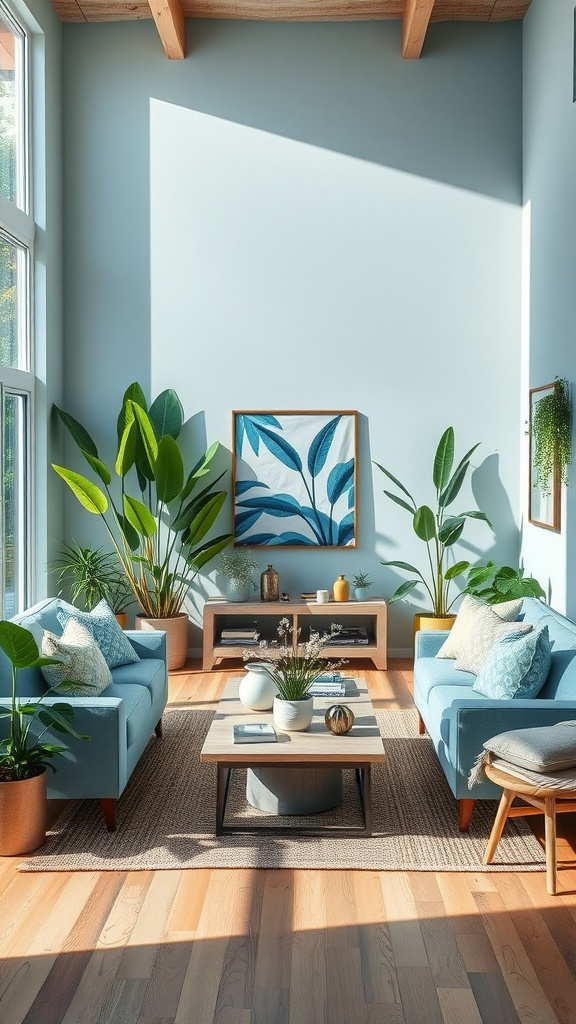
(92, 575)
(293, 667)
(237, 567)
(24, 753)
(362, 583)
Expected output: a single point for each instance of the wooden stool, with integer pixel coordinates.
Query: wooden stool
(541, 801)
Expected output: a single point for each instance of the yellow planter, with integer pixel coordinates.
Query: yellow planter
(428, 621)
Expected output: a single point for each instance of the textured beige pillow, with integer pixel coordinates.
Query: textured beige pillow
(508, 611)
(81, 661)
(487, 628)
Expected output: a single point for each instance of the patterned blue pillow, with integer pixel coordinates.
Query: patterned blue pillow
(516, 666)
(103, 625)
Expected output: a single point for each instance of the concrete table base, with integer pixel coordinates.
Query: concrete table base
(294, 790)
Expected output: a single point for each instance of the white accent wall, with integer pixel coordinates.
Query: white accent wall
(549, 332)
(295, 218)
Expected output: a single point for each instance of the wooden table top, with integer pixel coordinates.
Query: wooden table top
(363, 744)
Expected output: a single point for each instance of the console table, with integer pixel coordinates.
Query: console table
(265, 616)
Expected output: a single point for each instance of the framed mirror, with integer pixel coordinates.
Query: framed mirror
(543, 503)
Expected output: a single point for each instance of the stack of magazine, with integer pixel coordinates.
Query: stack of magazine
(349, 636)
(254, 732)
(243, 636)
(332, 684)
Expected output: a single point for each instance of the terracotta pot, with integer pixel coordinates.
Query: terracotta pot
(22, 815)
(121, 619)
(176, 636)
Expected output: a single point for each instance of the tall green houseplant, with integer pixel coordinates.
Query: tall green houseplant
(161, 533)
(438, 528)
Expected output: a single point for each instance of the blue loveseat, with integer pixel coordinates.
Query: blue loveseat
(120, 722)
(459, 720)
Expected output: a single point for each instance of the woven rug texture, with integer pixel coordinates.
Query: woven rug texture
(166, 817)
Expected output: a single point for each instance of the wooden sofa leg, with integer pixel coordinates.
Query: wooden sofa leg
(421, 726)
(465, 808)
(158, 729)
(108, 806)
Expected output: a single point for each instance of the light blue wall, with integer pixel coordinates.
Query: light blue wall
(550, 244)
(46, 132)
(295, 218)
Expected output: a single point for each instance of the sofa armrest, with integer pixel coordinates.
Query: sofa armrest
(148, 643)
(89, 768)
(428, 642)
(480, 721)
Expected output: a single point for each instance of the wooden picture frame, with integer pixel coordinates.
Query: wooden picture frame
(294, 478)
(543, 509)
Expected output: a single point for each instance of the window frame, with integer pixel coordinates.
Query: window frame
(18, 227)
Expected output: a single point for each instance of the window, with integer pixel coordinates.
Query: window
(16, 369)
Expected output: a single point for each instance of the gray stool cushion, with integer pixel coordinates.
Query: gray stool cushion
(545, 748)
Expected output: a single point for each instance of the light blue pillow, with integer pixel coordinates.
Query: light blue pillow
(516, 666)
(103, 625)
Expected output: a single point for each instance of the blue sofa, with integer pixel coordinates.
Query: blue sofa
(459, 720)
(120, 722)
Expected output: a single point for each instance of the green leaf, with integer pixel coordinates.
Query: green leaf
(126, 456)
(397, 483)
(400, 501)
(478, 515)
(139, 516)
(133, 393)
(166, 414)
(403, 590)
(147, 435)
(88, 494)
(18, 644)
(444, 459)
(452, 490)
(168, 469)
(207, 551)
(201, 468)
(78, 433)
(205, 517)
(99, 467)
(456, 570)
(451, 530)
(130, 535)
(403, 565)
(424, 523)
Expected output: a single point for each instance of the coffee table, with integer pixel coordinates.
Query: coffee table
(317, 747)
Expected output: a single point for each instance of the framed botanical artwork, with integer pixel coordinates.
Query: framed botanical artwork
(295, 479)
(544, 495)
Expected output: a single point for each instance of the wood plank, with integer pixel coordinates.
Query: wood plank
(419, 996)
(415, 20)
(143, 943)
(376, 956)
(308, 957)
(403, 924)
(493, 999)
(444, 957)
(169, 18)
(458, 1006)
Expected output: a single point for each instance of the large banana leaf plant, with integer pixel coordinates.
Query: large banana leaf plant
(438, 528)
(160, 536)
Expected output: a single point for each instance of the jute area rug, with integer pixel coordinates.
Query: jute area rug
(166, 817)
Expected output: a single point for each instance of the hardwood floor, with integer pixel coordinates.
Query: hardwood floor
(289, 947)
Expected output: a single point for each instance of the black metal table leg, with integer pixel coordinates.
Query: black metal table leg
(222, 787)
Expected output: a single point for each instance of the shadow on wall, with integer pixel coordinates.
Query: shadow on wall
(453, 116)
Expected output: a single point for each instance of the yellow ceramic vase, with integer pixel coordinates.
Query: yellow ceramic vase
(341, 589)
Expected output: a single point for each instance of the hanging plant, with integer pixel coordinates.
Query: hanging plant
(552, 436)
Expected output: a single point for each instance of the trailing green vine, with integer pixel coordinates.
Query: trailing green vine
(552, 436)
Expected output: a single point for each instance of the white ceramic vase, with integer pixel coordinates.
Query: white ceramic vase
(293, 715)
(257, 690)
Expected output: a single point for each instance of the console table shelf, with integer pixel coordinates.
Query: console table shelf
(265, 615)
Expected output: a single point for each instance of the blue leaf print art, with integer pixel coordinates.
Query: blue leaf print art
(295, 477)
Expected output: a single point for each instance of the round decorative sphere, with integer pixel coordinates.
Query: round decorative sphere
(339, 718)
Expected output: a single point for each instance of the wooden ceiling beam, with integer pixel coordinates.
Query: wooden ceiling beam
(415, 20)
(169, 18)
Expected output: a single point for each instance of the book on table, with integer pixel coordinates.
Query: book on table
(254, 732)
(330, 685)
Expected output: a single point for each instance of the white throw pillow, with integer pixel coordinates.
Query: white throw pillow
(507, 611)
(488, 627)
(81, 661)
